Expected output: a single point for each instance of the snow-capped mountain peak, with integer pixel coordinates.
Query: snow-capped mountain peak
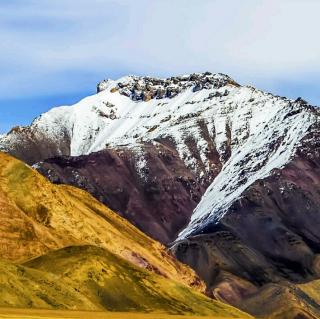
(227, 134)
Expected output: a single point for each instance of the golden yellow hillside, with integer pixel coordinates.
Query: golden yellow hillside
(62, 249)
(37, 217)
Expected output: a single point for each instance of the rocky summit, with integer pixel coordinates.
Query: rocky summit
(226, 176)
(147, 88)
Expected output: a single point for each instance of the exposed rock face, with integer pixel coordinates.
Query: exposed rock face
(31, 145)
(276, 217)
(270, 234)
(155, 191)
(147, 88)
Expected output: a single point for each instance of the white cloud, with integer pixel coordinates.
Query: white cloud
(46, 44)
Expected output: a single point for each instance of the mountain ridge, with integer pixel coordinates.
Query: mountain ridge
(221, 132)
(232, 169)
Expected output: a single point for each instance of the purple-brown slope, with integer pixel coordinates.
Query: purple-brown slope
(159, 202)
(269, 237)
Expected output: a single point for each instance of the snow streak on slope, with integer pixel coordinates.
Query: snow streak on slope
(252, 132)
(271, 144)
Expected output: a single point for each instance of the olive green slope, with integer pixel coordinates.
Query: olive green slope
(91, 278)
(22, 287)
(114, 284)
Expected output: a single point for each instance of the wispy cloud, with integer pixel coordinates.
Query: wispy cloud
(52, 47)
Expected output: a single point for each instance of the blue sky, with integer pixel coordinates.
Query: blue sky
(54, 52)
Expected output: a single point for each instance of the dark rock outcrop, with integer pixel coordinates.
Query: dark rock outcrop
(158, 197)
(269, 234)
(147, 88)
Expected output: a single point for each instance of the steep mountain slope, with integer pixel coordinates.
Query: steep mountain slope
(255, 161)
(160, 205)
(113, 265)
(116, 285)
(37, 216)
(272, 228)
(91, 278)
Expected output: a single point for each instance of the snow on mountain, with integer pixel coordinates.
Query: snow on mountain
(111, 118)
(273, 138)
(253, 132)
